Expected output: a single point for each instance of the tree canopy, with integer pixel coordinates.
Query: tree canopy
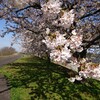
(63, 29)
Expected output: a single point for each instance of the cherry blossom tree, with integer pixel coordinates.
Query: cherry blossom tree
(61, 29)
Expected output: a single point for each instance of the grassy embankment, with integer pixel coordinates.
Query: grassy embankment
(36, 79)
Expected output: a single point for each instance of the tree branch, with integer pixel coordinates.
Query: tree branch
(35, 5)
(90, 14)
(92, 42)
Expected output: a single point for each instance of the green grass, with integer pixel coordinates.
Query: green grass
(37, 79)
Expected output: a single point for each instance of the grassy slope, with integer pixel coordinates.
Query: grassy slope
(36, 79)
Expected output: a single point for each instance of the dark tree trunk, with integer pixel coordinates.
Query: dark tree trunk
(80, 55)
(48, 57)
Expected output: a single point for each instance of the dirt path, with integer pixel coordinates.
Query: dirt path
(4, 89)
(4, 86)
(9, 59)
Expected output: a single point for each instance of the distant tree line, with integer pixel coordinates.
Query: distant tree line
(7, 51)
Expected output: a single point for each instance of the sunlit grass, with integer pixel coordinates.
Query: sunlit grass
(32, 78)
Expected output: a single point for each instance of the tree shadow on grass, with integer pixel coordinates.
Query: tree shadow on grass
(48, 81)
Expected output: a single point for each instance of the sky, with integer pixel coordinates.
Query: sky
(6, 41)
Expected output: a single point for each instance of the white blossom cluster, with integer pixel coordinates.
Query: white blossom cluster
(77, 77)
(76, 41)
(67, 19)
(52, 9)
(52, 6)
(58, 45)
(90, 71)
